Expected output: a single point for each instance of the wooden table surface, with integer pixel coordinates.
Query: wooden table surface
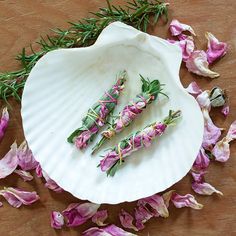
(22, 22)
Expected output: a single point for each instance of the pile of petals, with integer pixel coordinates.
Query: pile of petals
(154, 206)
(197, 61)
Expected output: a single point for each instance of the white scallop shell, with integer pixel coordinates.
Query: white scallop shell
(66, 82)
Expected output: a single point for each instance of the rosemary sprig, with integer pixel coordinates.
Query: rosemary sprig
(137, 13)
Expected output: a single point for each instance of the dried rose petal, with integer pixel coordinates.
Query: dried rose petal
(198, 177)
(186, 45)
(26, 176)
(211, 132)
(9, 162)
(225, 110)
(197, 63)
(217, 97)
(1, 204)
(221, 150)
(142, 215)
(204, 189)
(100, 217)
(156, 202)
(167, 197)
(17, 197)
(111, 230)
(203, 100)
(26, 159)
(231, 135)
(39, 171)
(202, 161)
(187, 200)
(51, 184)
(193, 88)
(78, 214)
(4, 122)
(57, 220)
(126, 220)
(176, 28)
(215, 48)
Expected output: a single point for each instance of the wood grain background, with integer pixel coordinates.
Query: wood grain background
(22, 22)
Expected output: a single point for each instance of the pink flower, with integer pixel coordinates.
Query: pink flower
(193, 88)
(100, 217)
(9, 162)
(4, 122)
(187, 200)
(109, 160)
(57, 220)
(111, 230)
(202, 161)
(127, 220)
(26, 176)
(157, 204)
(142, 215)
(221, 150)
(197, 63)
(17, 197)
(176, 28)
(51, 184)
(204, 188)
(77, 214)
(186, 45)
(225, 110)
(211, 132)
(26, 159)
(215, 48)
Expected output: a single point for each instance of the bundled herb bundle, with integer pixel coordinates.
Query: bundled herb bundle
(143, 138)
(97, 115)
(150, 91)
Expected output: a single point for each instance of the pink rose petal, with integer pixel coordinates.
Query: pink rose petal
(202, 161)
(26, 176)
(156, 202)
(186, 45)
(126, 220)
(9, 162)
(231, 135)
(17, 197)
(176, 28)
(225, 110)
(215, 48)
(204, 189)
(221, 150)
(77, 214)
(51, 184)
(111, 230)
(26, 159)
(57, 220)
(142, 215)
(203, 100)
(167, 197)
(198, 177)
(100, 217)
(211, 132)
(187, 200)
(4, 122)
(193, 88)
(39, 171)
(197, 63)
